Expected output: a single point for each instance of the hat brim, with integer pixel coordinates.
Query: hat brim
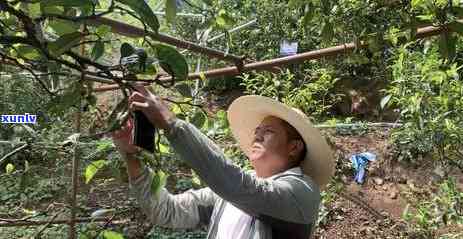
(247, 112)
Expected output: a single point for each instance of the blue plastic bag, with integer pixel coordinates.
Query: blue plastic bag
(359, 162)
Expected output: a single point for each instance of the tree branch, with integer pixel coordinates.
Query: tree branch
(12, 153)
(86, 61)
(10, 40)
(16, 63)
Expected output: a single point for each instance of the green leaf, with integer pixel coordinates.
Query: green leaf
(171, 10)
(158, 182)
(295, 4)
(104, 144)
(198, 119)
(98, 50)
(50, 9)
(102, 30)
(92, 169)
(69, 3)
(184, 89)
(64, 43)
(112, 235)
(195, 180)
(126, 49)
(447, 45)
(172, 61)
(223, 20)
(207, 2)
(34, 10)
(9, 168)
(457, 27)
(417, 3)
(62, 27)
(309, 15)
(28, 52)
(327, 32)
(385, 100)
(163, 149)
(144, 12)
(458, 11)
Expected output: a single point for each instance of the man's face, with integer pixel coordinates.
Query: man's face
(270, 147)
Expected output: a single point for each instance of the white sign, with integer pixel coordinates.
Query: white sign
(288, 48)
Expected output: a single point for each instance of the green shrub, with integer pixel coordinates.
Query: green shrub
(429, 92)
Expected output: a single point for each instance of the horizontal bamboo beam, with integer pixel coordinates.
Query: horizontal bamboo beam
(132, 31)
(268, 65)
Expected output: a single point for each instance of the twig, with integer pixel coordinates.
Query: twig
(37, 235)
(104, 226)
(363, 205)
(22, 219)
(65, 221)
(30, 71)
(182, 102)
(12, 153)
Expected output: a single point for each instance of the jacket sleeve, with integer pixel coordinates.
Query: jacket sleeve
(289, 198)
(190, 209)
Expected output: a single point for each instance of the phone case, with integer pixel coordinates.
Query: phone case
(143, 131)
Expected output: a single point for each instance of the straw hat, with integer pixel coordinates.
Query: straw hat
(247, 112)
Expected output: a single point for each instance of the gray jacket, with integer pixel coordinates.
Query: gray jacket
(282, 206)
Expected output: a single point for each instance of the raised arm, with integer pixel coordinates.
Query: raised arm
(187, 210)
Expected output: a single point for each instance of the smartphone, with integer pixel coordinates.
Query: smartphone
(143, 131)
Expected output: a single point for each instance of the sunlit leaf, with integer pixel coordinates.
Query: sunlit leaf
(9, 168)
(92, 169)
(103, 30)
(112, 235)
(223, 20)
(158, 182)
(163, 149)
(34, 10)
(28, 52)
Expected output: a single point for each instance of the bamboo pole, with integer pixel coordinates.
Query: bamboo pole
(269, 65)
(132, 31)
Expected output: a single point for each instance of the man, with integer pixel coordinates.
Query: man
(279, 199)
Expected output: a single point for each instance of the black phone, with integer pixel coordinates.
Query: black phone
(143, 131)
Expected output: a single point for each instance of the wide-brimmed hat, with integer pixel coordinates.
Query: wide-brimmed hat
(247, 112)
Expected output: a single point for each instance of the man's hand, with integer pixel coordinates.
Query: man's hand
(123, 140)
(152, 106)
